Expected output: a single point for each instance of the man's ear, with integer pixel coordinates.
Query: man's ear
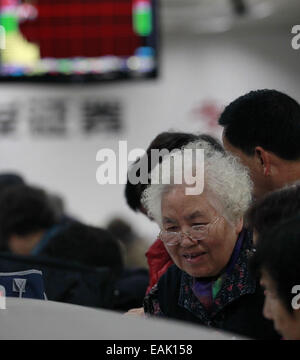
(264, 160)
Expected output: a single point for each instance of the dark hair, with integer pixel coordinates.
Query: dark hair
(86, 245)
(23, 211)
(278, 253)
(274, 208)
(266, 118)
(10, 179)
(169, 141)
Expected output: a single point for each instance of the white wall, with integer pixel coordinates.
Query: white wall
(219, 67)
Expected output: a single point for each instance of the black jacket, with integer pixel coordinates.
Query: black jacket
(65, 281)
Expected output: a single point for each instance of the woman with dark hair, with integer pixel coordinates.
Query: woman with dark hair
(277, 262)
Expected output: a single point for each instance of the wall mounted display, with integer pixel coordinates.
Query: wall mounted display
(78, 40)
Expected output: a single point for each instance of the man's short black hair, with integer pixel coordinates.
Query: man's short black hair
(24, 210)
(274, 208)
(86, 245)
(278, 254)
(266, 118)
(170, 141)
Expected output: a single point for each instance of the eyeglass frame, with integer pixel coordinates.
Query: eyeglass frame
(207, 226)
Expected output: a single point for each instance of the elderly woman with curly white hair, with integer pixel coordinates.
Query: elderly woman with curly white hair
(209, 283)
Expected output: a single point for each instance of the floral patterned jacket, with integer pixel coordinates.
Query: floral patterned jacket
(237, 307)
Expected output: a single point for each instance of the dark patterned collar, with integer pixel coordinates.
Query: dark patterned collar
(236, 284)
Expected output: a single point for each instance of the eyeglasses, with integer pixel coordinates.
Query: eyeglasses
(197, 232)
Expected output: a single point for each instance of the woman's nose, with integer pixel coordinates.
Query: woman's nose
(186, 240)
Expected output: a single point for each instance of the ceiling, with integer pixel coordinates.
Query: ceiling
(214, 16)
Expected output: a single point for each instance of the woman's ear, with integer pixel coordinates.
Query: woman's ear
(239, 225)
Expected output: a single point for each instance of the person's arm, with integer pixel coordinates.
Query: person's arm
(136, 312)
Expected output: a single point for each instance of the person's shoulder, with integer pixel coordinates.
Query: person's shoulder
(166, 288)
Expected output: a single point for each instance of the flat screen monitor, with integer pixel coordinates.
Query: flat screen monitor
(78, 40)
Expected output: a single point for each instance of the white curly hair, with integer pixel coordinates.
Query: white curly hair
(226, 181)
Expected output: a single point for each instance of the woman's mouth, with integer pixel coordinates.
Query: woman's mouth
(194, 258)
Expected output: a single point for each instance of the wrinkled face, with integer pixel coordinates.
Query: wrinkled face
(206, 257)
(287, 324)
(261, 186)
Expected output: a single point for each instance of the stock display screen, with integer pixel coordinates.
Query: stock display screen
(78, 39)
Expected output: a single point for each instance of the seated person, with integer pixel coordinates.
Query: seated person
(277, 261)
(273, 208)
(96, 247)
(26, 218)
(210, 283)
(85, 245)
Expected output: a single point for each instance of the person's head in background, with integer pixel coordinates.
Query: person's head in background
(169, 141)
(262, 128)
(122, 230)
(86, 245)
(25, 215)
(277, 262)
(273, 208)
(10, 179)
(134, 246)
(57, 202)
